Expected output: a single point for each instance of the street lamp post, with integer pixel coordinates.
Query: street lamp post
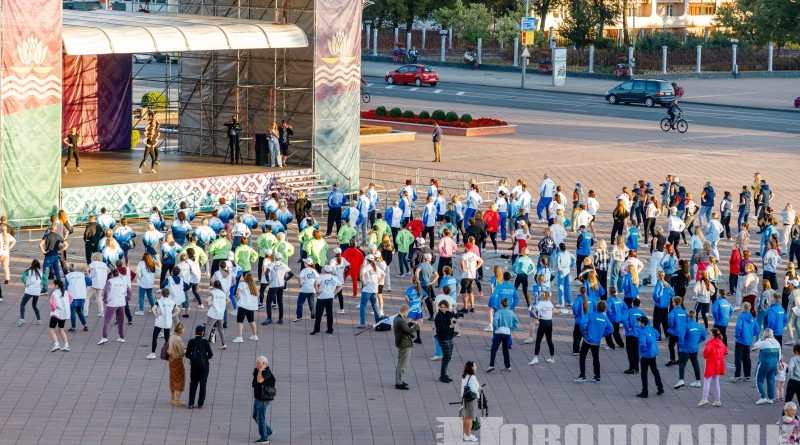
(734, 66)
(442, 33)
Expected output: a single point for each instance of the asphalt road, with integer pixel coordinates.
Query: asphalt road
(583, 104)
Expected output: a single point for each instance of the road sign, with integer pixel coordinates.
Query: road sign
(529, 23)
(527, 37)
(526, 53)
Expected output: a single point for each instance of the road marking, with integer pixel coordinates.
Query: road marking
(437, 91)
(413, 89)
(460, 93)
(389, 87)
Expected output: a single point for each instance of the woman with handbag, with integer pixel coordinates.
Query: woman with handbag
(469, 397)
(263, 395)
(177, 373)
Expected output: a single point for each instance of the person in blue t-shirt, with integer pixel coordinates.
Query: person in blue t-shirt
(415, 294)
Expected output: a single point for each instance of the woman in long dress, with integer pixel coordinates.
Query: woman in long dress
(177, 373)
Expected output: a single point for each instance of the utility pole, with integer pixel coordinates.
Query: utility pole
(525, 52)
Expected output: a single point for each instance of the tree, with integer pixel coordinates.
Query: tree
(506, 28)
(579, 24)
(608, 11)
(761, 21)
(468, 23)
(399, 12)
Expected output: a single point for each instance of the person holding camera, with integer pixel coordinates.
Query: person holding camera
(263, 394)
(403, 334)
(471, 390)
(445, 322)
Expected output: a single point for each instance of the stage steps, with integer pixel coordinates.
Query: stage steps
(315, 188)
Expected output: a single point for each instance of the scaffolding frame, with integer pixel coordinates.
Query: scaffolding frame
(217, 84)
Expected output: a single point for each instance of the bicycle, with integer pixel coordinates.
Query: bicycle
(365, 95)
(679, 124)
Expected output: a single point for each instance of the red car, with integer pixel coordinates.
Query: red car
(416, 74)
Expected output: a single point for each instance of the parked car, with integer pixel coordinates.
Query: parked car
(142, 58)
(416, 74)
(163, 57)
(647, 91)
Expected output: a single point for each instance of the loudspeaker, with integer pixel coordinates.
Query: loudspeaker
(262, 150)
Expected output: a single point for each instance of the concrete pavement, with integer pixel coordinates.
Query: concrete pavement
(776, 94)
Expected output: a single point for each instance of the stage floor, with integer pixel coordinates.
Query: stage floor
(107, 168)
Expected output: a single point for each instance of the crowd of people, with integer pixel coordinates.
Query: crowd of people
(246, 263)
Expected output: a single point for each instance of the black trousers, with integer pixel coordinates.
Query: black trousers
(545, 330)
(684, 357)
(577, 336)
(156, 330)
(149, 150)
(792, 389)
(89, 249)
(197, 376)
(615, 337)
(674, 238)
(233, 147)
(650, 364)
(334, 218)
(632, 348)
(722, 330)
(444, 261)
(649, 228)
(585, 348)
(522, 280)
(324, 304)
(726, 225)
(74, 152)
(673, 341)
(616, 229)
(660, 320)
(741, 359)
(428, 232)
(579, 264)
(275, 294)
(429, 299)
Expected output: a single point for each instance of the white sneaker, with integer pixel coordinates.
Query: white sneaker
(138, 313)
(153, 171)
(436, 358)
(606, 348)
(151, 356)
(761, 401)
(296, 320)
(470, 438)
(234, 312)
(56, 347)
(680, 384)
(789, 342)
(534, 361)
(201, 307)
(487, 329)
(65, 348)
(696, 384)
(161, 334)
(528, 341)
(65, 169)
(340, 311)
(716, 403)
(703, 402)
(99, 314)
(102, 340)
(564, 311)
(551, 360)
(770, 401)
(736, 308)
(254, 337)
(224, 346)
(140, 171)
(121, 340)
(238, 340)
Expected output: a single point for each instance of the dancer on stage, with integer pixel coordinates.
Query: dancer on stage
(151, 134)
(72, 140)
(234, 127)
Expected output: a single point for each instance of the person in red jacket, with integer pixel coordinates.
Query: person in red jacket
(416, 227)
(734, 261)
(714, 353)
(492, 219)
(355, 257)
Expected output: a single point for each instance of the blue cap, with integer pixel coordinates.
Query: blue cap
(647, 184)
(577, 184)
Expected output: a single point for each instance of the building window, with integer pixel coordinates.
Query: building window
(670, 11)
(702, 9)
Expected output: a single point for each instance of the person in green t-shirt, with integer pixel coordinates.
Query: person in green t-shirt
(404, 241)
(317, 250)
(285, 248)
(245, 256)
(346, 233)
(219, 250)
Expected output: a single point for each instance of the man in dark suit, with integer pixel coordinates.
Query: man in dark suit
(91, 238)
(198, 351)
(234, 128)
(403, 333)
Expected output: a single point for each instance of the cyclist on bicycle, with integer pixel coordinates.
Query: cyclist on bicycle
(671, 110)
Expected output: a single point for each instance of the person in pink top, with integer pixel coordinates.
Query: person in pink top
(447, 248)
(492, 219)
(60, 302)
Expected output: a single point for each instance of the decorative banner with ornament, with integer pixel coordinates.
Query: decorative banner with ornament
(30, 92)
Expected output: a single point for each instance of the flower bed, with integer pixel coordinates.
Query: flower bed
(477, 123)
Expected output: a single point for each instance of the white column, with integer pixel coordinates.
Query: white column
(734, 67)
(699, 57)
(591, 58)
(480, 50)
(770, 47)
(408, 40)
(516, 51)
(369, 34)
(375, 42)
(424, 32)
(631, 64)
(450, 38)
(396, 35)
(664, 59)
(441, 55)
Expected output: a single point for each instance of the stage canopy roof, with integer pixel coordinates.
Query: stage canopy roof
(120, 32)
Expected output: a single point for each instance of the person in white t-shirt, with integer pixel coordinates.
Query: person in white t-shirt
(165, 311)
(326, 285)
(7, 242)
(77, 284)
(217, 303)
(308, 278)
(247, 295)
(543, 312)
(340, 268)
(98, 272)
(146, 272)
(60, 301)
(470, 262)
(279, 274)
(371, 276)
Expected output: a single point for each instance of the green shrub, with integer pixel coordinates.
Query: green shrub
(154, 100)
(395, 112)
(466, 118)
(656, 40)
(451, 116)
(134, 138)
(409, 114)
(424, 115)
(381, 111)
(437, 115)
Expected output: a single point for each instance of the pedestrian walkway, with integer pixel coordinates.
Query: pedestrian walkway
(774, 94)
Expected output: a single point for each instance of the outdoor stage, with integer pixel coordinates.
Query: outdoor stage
(112, 180)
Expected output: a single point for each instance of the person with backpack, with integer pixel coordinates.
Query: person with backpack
(263, 395)
(470, 392)
(199, 352)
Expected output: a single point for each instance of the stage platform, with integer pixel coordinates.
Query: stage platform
(112, 180)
